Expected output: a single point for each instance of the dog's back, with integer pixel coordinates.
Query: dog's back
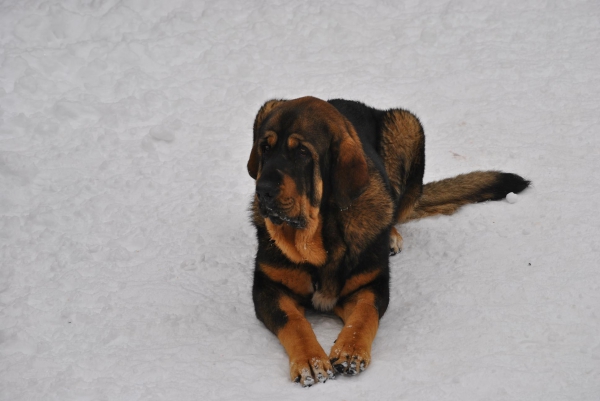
(394, 140)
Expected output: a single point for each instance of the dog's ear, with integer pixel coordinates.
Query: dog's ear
(264, 111)
(350, 175)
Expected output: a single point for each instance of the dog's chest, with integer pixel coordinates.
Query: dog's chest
(299, 246)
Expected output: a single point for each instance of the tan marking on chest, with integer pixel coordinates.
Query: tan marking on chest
(296, 280)
(300, 246)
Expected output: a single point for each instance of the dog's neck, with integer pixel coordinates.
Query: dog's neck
(300, 245)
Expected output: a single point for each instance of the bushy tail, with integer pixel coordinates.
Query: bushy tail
(447, 195)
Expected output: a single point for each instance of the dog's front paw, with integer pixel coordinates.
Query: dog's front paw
(310, 370)
(350, 357)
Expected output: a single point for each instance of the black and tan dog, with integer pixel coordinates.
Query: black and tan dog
(332, 180)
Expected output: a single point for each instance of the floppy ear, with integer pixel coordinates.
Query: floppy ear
(350, 171)
(264, 111)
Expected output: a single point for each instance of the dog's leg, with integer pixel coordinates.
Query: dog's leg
(351, 352)
(308, 361)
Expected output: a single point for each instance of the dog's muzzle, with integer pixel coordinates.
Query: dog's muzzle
(267, 193)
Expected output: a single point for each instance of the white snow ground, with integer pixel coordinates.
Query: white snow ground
(125, 248)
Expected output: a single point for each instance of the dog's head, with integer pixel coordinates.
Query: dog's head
(304, 152)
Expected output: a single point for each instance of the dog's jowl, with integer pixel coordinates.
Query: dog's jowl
(333, 178)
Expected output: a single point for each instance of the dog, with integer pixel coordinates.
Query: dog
(333, 178)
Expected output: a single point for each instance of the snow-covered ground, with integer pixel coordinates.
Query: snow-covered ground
(125, 245)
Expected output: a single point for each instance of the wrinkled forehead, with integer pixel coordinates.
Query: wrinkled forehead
(312, 119)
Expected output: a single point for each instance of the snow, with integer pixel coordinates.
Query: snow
(125, 246)
(512, 197)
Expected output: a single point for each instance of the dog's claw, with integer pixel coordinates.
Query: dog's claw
(352, 370)
(341, 367)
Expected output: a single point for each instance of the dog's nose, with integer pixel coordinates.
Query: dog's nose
(267, 191)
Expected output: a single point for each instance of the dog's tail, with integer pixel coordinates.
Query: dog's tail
(447, 195)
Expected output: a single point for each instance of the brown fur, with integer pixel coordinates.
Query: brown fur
(332, 179)
(358, 281)
(352, 348)
(304, 246)
(298, 245)
(448, 195)
(260, 116)
(308, 361)
(396, 241)
(296, 280)
(350, 167)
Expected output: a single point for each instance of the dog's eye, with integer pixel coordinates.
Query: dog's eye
(304, 152)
